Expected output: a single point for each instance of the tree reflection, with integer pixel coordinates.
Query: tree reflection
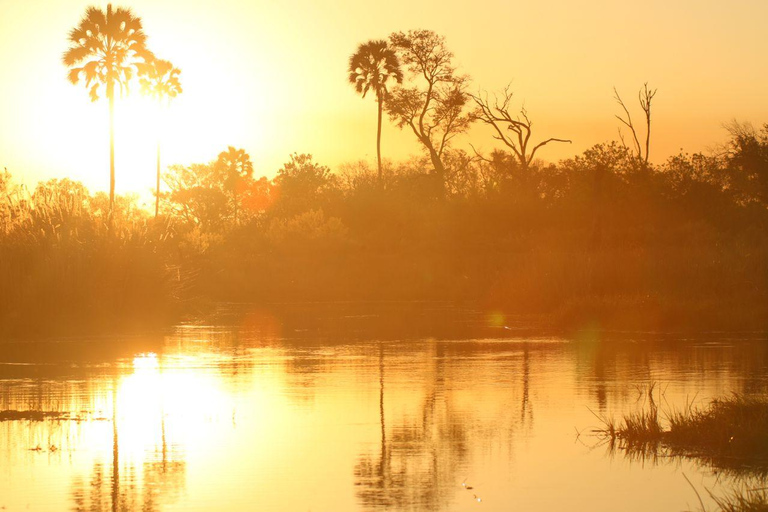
(160, 483)
(163, 476)
(417, 465)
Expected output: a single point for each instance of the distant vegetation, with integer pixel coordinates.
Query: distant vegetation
(600, 239)
(606, 238)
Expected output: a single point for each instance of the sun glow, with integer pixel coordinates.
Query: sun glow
(154, 402)
(272, 81)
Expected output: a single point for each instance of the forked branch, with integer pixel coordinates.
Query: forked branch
(645, 96)
(514, 131)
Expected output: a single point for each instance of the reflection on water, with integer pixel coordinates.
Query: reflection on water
(317, 408)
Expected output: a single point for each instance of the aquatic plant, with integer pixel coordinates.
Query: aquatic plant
(728, 434)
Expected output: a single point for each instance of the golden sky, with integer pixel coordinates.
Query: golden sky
(270, 76)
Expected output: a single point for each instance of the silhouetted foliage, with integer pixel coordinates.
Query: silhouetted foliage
(198, 195)
(237, 168)
(303, 184)
(106, 50)
(602, 238)
(64, 269)
(747, 159)
(372, 66)
(433, 105)
(159, 79)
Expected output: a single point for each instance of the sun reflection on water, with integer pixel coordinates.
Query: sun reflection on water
(196, 422)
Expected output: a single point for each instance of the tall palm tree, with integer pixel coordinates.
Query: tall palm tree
(160, 80)
(371, 67)
(104, 50)
(236, 165)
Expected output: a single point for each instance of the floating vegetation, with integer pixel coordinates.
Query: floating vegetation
(35, 415)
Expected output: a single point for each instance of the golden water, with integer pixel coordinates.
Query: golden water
(315, 411)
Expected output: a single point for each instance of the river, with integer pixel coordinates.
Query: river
(355, 407)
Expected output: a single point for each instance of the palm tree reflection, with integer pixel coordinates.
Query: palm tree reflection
(418, 465)
(163, 475)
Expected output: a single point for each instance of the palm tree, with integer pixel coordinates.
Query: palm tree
(236, 165)
(105, 49)
(160, 80)
(371, 67)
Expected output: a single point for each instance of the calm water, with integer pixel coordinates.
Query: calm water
(338, 408)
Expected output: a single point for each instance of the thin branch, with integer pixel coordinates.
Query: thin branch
(628, 122)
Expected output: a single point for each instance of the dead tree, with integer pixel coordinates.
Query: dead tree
(514, 132)
(645, 96)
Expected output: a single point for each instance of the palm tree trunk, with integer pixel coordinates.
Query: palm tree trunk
(157, 192)
(111, 96)
(378, 139)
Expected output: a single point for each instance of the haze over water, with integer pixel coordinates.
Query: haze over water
(405, 407)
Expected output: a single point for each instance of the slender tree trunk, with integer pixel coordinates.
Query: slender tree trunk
(111, 96)
(157, 190)
(647, 134)
(378, 140)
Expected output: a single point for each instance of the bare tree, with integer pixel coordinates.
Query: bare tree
(645, 96)
(514, 132)
(433, 106)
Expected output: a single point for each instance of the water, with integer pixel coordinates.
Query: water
(410, 407)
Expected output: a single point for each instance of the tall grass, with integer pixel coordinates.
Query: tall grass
(66, 271)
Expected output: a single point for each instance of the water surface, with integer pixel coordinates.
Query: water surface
(407, 407)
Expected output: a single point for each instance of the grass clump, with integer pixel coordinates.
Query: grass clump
(735, 427)
(729, 433)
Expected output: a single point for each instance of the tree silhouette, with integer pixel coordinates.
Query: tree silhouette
(747, 161)
(434, 111)
(105, 50)
(196, 195)
(645, 97)
(160, 80)
(497, 114)
(371, 67)
(237, 167)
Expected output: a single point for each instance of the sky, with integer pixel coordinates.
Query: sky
(271, 77)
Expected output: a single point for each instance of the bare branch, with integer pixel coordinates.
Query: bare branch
(479, 155)
(645, 97)
(627, 121)
(499, 117)
(540, 144)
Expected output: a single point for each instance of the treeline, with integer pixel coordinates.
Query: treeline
(600, 239)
